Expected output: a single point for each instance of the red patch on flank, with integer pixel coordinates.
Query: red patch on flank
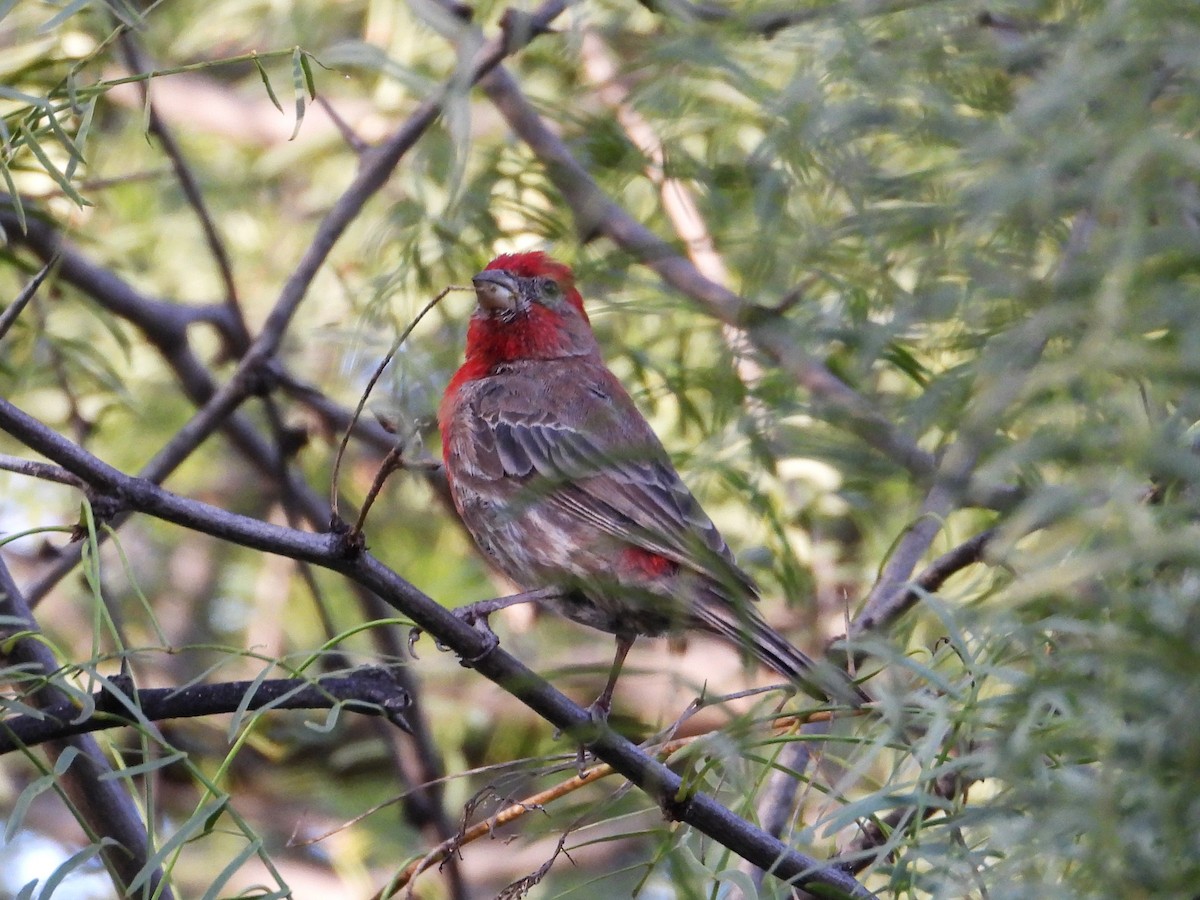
(648, 563)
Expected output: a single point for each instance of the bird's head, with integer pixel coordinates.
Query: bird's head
(513, 282)
(528, 308)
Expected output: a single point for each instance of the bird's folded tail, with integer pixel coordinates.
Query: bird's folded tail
(746, 630)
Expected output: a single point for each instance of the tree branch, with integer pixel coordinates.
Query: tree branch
(376, 167)
(165, 327)
(880, 615)
(191, 190)
(595, 213)
(371, 690)
(677, 800)
(103, 807)
(13, 310)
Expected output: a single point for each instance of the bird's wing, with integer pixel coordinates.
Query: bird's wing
(577, 442)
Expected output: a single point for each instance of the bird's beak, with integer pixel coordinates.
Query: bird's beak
(496, 290)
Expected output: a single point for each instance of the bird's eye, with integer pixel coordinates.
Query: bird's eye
(551, 288)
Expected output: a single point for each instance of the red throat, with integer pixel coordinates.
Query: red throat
(536, 335)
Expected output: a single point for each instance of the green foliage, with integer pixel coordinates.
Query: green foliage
(987, 226)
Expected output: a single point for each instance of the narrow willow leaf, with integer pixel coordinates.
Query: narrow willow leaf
(134, 584)
(214, 890)
(331, 720)
(198, 822)
(239, 714)
(13, 198)
(34, 790)
(262, 73)
(147, 109)
(65, 13)
(63, 138)
(50, 168)
(81, 134)
(30, 99)
(126, 13)
(298, 88)
(144, 768)
(74, 862)
(309, 83)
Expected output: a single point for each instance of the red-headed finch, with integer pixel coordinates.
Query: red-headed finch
(564, 485)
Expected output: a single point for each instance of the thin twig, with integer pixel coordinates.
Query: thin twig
(517, 810)
(35, 469)
(362, 400)
(189, 185)
(880, 616)
(13, 310)
(353, 141)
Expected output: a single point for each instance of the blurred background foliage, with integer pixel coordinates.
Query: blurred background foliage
(985, 218)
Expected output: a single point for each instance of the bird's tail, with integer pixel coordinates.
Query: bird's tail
(745, 629)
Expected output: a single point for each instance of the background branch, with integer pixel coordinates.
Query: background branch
(659, 782)
(371, 690)
(103, 804)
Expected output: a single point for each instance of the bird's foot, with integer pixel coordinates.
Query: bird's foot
(477, 615)
(476, 619)
(598, 712)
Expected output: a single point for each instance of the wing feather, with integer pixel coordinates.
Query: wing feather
(610, 472)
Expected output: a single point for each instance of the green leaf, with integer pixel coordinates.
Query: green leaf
(144, 768)
(262, 73)
(73, 863)
(199, 823)
(235, 722)
(301, 79)
(251, 849)
(52, 170)
(35, 789)
(14, 197)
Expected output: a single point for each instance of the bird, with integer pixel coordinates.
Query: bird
(567, 490)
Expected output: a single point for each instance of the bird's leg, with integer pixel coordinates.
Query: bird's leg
(476, 614)
(602, 705)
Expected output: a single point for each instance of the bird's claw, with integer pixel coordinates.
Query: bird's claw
(472, 615)
(599, 710)
(598, 713)
(414, 635)
(492, 643)
(478, 618)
